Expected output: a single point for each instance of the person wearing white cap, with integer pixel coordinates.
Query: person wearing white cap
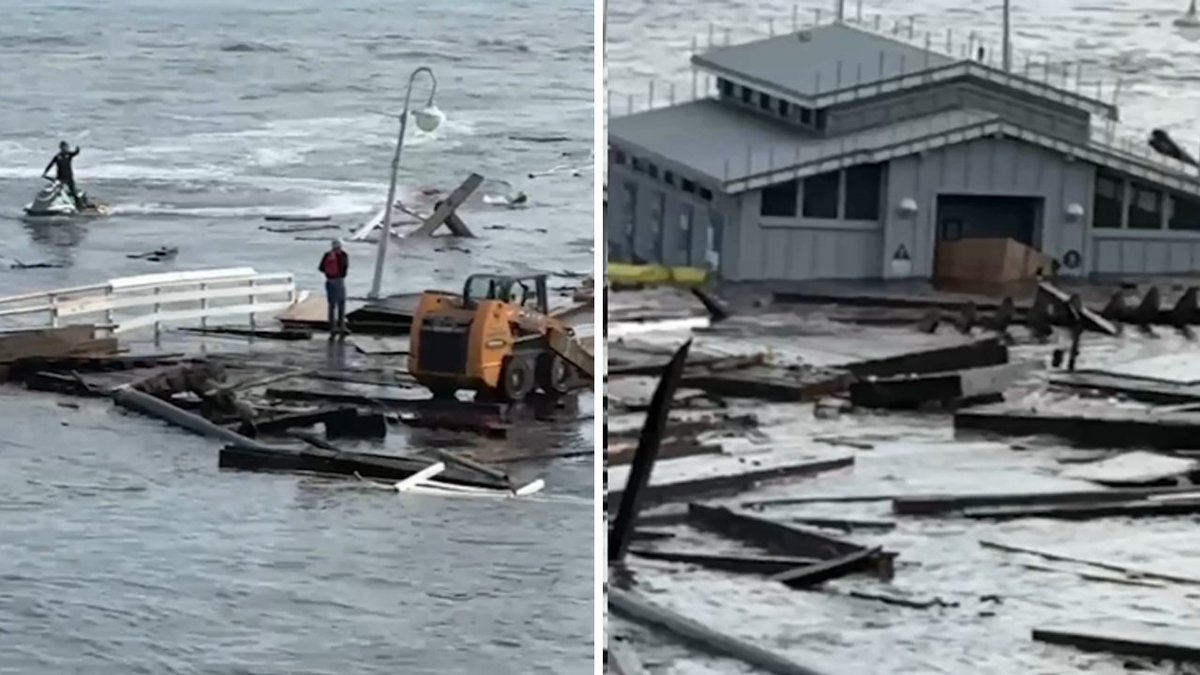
(335, 264)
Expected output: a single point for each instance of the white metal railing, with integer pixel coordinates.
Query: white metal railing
(168, 297)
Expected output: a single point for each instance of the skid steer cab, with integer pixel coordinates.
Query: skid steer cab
(496, 339)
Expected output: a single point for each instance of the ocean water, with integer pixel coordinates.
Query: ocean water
(122, 548)
(1158, 65)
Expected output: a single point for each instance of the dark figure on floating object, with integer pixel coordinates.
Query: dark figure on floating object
(1164, 144)
(335, 264)
(63, 170)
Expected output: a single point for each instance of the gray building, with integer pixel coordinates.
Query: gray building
(838, 153)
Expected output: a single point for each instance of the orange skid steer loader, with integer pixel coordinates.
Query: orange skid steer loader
(497, 339)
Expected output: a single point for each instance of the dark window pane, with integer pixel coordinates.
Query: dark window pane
(638, 164)
(806, 115)
(780, 200)
(1145, 208)
(784, 108)
(652, 170)
(726, 88)
(821, 195)
(1107, 209)
(863, 189)
(687, 186)
(616, 156)
(820, 124)
(668, 178)
(1185, 213)
(764, 101)
(706, 194)
(746, 93)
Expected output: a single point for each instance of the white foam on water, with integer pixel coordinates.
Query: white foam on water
(330, 204)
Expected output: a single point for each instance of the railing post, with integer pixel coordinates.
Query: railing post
(253, 299)
(204, 304)
(108, 313)
(53, 302)
(157, 309)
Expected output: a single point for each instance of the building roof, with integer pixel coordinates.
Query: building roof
(727, 144)
(820, 59)
(833, 64)
(738, 150)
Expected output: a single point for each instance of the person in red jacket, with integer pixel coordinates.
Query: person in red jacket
(334, 265)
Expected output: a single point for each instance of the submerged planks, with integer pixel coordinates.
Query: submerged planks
(1128, 638)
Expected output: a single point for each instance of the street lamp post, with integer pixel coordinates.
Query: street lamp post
(428, 120)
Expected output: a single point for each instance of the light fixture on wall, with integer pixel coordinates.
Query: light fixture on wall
(1074, 212)
(908, 207)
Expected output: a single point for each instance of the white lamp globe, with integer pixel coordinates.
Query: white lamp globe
(429, 119)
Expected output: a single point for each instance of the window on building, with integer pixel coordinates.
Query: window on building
(652, 170)
(780, 200)
(1145, 208)
(630, 219)
(658, 202)
(806, 116)
(1185, 213)
(820, 121)
(1108, 206)
(864, 187)
(687, 186)
(705, 194)
(616, 156)
(821, 195)
(668, 178)
(684, 236)
(764, 101)
(747, 92)
(784, 108)
(726, 87)
(639, 165)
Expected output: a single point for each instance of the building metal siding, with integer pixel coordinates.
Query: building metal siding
(657, 233)
(986, 167)
(1018, 108)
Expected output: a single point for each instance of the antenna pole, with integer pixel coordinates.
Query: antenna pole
(1006, 45)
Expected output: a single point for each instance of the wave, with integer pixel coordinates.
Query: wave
(250, 48)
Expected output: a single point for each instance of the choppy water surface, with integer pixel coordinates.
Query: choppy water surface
(998, 597)
(122, 549)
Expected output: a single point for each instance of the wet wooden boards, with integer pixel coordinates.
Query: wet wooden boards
(1128, 638)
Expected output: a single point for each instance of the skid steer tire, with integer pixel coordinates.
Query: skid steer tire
(553, 374)
(516, 378)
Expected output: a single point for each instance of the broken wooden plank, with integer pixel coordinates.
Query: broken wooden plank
(977, 354)
(332, 462)
(1177, 643)
(673, 447)
(638, 609)
(765, 565)
(1097, 428)
(844, 524)
(447, 208)
(290, 334)
(741, 478)
(938, 504)
(834, 568)
(1134, 389)
(951, 389)
(1138, 509)
(295, 218)
(1135, 572)
(769, 384)
(1092, 319)
(774, 536)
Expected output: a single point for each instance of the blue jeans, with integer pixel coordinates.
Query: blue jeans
(335, 297)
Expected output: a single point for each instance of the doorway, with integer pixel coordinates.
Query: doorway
(989, 217)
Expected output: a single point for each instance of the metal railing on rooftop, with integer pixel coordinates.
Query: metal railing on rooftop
(1106, 137)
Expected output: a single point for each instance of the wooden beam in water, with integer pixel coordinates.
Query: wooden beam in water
(1177, 643)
